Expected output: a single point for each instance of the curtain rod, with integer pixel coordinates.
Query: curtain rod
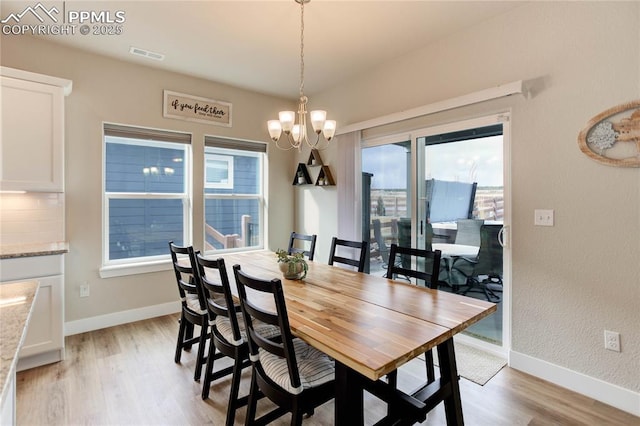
(514, 88)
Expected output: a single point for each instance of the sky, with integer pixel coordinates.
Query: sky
(476, 160)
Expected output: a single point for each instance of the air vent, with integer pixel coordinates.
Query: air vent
(146, 53)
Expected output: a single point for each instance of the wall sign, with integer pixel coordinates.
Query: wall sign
(613, 136)
(195, 108)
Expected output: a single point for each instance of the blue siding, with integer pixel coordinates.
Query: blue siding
(140, 228)
(125, 164)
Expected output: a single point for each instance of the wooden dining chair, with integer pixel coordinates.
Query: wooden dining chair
(427, 269)
(302, 239)
(293, 375)
(193, 310)
(228, 332)
(359, 261)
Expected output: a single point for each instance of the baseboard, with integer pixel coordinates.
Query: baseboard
(607, 393)
(32, 361)
(118, 318)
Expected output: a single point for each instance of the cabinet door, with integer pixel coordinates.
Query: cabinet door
(32, 136)
(45, 326)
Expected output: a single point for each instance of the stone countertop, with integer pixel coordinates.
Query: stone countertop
(16, 303)
(10, 251)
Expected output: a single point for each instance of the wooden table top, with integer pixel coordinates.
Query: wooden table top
(371, 324)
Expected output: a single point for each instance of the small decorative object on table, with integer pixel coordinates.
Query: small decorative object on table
(293, 266)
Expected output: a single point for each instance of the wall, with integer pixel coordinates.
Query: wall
(580, 277)
(115, 91)
(31, 218)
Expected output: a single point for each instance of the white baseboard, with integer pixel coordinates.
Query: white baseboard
(607, 393)
(118, 318)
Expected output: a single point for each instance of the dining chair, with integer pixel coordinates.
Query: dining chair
(427, 269)
(293, 375)
(468, 232)
(358, 262)
(193, 306)
(484, 273)
(301, 239)
(383, 248)
(228, 334)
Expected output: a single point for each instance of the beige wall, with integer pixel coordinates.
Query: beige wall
(572, 281)
(114, 91)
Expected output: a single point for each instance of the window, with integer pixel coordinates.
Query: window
(146, 193)
(219, 171)
(233, 194)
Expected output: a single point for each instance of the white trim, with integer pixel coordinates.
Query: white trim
(519, 87)
(607, 393)
(123, 269)
(66, 85)
(119, 318)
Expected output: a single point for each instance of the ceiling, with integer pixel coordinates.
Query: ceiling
(256, 44)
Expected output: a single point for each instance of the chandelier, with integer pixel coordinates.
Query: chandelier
(296, 134)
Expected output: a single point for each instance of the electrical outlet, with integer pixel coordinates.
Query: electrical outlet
(612, 341)
(543, 217)
(84, 290)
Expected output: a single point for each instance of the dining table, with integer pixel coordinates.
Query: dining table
(371, 326)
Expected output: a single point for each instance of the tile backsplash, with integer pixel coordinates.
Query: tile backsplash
(35, 217)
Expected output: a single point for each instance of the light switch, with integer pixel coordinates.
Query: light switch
(543, 217)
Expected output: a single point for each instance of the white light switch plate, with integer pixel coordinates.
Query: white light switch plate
(543, 217)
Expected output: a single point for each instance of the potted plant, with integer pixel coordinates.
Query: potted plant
(293, 266)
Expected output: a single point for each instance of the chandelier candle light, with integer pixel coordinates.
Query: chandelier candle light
(297, 133)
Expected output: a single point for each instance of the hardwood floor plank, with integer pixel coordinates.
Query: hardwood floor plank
(125, 375)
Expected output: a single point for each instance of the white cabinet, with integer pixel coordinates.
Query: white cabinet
(44, 342)
(32, 143)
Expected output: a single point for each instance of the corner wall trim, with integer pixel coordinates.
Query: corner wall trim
(519, 87)
(118, 318)
(607, 393)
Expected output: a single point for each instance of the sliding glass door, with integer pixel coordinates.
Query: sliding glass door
(444, 188)
(387, 197)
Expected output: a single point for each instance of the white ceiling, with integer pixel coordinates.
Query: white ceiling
(256, 44)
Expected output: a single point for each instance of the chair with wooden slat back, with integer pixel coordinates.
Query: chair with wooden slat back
(427, 268)
(361, 259)
(227, 331)
(302, 238)
(295, 376)
(194, 310)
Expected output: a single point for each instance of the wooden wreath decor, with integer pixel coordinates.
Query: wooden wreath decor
(602, 139)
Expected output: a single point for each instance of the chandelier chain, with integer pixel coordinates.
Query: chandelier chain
(301, 49)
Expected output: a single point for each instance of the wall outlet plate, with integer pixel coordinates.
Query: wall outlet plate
(612, 341)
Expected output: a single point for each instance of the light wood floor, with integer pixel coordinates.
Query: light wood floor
(125, 375)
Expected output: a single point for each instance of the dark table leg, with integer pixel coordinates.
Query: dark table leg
(449, 374)
(349, 403)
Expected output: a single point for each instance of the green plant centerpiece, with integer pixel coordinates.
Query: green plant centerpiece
(293, 266)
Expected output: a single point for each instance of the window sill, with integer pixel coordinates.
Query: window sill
(111, 271)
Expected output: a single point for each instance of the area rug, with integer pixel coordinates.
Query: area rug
(475, 364)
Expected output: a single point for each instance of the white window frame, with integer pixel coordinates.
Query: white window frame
(262, 156)
(223, 158)
(130, 266)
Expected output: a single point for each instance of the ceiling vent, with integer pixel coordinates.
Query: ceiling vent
(146, 53)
